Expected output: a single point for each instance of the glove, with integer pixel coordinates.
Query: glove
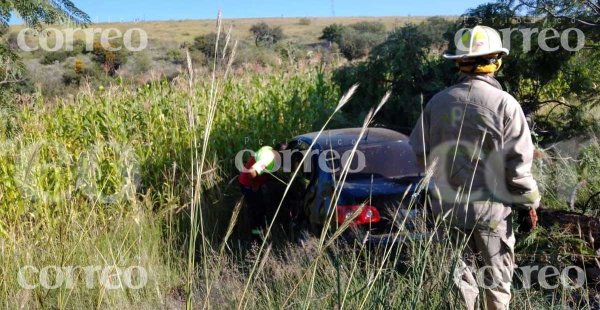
(265, 160)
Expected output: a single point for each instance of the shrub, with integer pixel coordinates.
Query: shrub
(304, 21)
(333, 33)
(198, 58)
(356, 40)
(356, 44)
(109, 61)
(369, 27)
(206, 44)
(76, 71)
(54, 57)
(261, 56)
(141, 63)
(79, 66)
(265, 34)
(49, 58)
(176, 56)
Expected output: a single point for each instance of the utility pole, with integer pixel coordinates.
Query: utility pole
(333, 8)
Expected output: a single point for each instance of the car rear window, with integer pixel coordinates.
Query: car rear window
(388, 160)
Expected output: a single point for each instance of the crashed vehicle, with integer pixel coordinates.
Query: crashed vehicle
(382, 180)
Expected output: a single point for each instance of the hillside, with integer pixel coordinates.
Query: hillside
(177, 31)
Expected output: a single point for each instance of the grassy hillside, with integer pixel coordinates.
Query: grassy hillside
(59, 73)
(177, 31)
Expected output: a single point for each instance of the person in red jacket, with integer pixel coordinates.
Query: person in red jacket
(252, 178)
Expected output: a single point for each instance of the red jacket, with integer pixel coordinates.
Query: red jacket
(246, 179)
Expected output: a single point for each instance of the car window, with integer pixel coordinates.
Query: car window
(388, 160)
(296, 150)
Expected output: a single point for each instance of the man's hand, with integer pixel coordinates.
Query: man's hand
(253, 173)
(533, 218)
(527, 220)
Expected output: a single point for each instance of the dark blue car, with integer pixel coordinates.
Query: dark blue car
(381, 182)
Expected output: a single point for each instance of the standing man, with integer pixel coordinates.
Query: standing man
(478, 138)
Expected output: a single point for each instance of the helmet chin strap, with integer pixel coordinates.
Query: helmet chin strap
(480, 64)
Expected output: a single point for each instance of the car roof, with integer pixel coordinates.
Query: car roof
(347, 137)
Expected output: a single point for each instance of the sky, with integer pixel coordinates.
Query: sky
(130, 10)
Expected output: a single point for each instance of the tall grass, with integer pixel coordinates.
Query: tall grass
(141, 176)
(105, 178)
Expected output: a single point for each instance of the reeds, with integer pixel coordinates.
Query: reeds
(183, 135)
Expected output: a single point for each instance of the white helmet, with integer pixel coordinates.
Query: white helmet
(479, 41)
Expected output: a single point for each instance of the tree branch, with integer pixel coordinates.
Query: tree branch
(594, 6)
(7, 76)
(551, 13)
(558, 103)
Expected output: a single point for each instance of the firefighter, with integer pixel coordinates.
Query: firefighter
(475, 139)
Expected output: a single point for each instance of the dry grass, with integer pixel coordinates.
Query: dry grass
(178, 31)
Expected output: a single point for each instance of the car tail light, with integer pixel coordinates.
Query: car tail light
(368, 214)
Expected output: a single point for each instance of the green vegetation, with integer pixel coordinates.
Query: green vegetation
(34, 13)
(206, 45)
(356, 40)
(265, 34)
(112, 167)
(125, 172)
(333, 33)
(404, 65)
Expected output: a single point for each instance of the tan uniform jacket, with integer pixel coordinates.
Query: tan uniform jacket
(479, 138)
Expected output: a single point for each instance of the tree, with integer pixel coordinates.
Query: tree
(400, 64)
(333, 33)
(559, 81)
(34, 13)
(265, 34)
(583, 13)
(436, 29)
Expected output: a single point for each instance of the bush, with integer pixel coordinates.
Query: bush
(304, 21)
(198, 58)
(109, 61)
(77, 70)
(438, 30)
(356, 40)
(54, 57)
(176, 56)
(206, 45)
(356, 44)
(141, 63)
(261, 56)
(265, 34)
(333, 33)
(369, 27)
(49, 58)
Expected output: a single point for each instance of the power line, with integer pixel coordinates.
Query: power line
(333, 8)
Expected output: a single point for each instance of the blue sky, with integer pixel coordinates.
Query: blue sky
(128, 10)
